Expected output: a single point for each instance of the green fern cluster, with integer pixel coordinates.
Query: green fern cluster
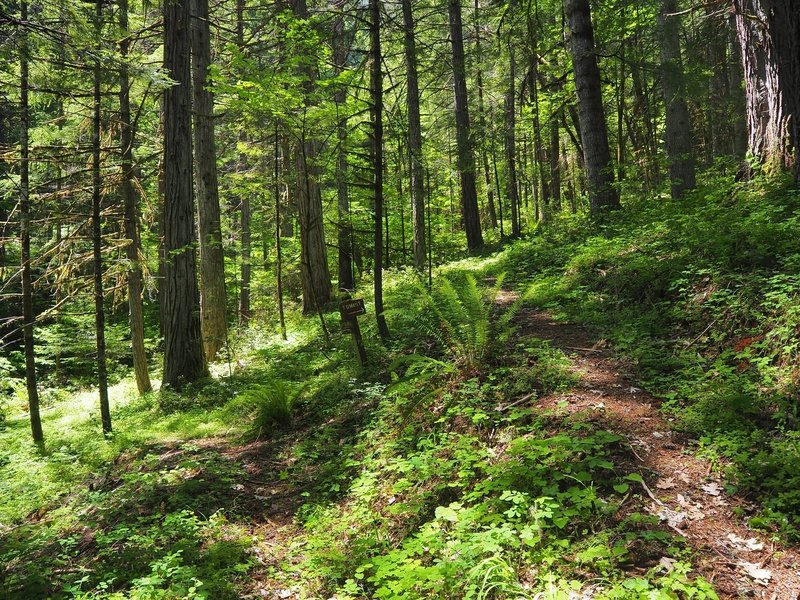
(458, 313)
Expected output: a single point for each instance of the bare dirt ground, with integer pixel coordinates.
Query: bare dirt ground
(682, 489)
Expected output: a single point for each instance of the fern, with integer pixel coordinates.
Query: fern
(458, 315)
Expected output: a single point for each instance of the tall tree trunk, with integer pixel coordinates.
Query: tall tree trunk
(678, 125)
(466, 159)
(278, 251)
(25, 236)
(184, 358)
(97, 239)
(246, 260)
(482, 120)
(416, 169)
(376, 110)
(555, 166)
(603, 195)
(134, 248)
(214, 322)
(344, 227)
(511, 147)
(315, 274)
(769, 37)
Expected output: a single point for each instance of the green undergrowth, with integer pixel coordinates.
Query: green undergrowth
(703, 296)
(419, 477)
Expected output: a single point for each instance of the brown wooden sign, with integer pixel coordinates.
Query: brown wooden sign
(350, 309)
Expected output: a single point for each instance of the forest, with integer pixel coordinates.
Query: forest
(348, 299)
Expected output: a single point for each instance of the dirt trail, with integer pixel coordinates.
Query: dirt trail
(679, 487)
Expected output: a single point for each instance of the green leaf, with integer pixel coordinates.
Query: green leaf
(621, 488)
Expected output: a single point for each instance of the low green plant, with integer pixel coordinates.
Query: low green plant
(274, 403)
(458, 313)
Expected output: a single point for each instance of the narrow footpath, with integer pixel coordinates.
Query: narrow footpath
(684, 491)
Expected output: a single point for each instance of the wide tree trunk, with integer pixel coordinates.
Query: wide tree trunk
(212, 260)
(414, 140)
(603, 195)
(466, 158)
(315, 274)
(134, 248)
(769, 37)
(678, 126)
(376, 113)
(97, 239)
(25, 237)
(184, 359)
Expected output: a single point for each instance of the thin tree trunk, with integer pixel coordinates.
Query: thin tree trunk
(511, 147)
(212, 260)
(344, 228)
(414, 140)
(278, 251)
(482, 121)
(555, 166)
(134, 248)
(678, 125)
(25, 238)
(466, 159)
(603, 195)
(97, 240)
(184, 358)
(376, 110)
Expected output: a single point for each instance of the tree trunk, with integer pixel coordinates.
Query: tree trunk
(466, 159)
(97, 240)
(482, 121)
(315, 275)
(25, 238)
(134, 248)
(214, 322)
(246, 260)
(376, 110)
(769, 37)
(416, 169)
(603, 195)
(678, 126)
(184, 359)
(511, 147)
(344, 228)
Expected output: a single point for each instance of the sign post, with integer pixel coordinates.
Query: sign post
(350, 309)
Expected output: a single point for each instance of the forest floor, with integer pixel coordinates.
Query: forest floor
(679, 487)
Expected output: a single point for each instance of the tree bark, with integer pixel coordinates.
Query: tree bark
(315, 274)
(769, 37)
(214, 321)
(678, 126)
(134, 248)
(344, 228)
(25, 238)
(511, 147)
(184, 359)
(416, 170)
(97, 240)
(482, 121)
(603, 195)
(466, 158)
(376, 112)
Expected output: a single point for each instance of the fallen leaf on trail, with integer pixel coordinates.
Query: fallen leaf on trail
(672, 517)
(756, 573)
(658, 434)
(666, 483)
(684, 477)
(599, 406)
(712, 489)
(668, 563)
(751, 544)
